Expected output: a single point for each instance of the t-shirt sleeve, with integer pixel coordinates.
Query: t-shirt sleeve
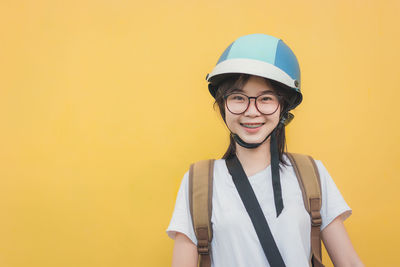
(333, 204)
(181, 220)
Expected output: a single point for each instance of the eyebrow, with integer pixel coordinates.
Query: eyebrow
(263, 92)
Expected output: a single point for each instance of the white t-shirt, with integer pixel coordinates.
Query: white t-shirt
(235, 242)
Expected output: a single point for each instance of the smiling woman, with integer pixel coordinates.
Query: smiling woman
(251, 112)
(241, 82)
(260, 211)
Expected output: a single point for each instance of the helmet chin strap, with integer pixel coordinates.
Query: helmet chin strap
(248, 145)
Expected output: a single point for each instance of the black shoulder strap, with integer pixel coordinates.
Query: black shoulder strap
(254, 210)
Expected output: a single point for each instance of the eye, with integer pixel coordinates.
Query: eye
(267, 98)
(238, 97)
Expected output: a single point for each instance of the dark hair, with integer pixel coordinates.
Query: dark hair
(238, 81)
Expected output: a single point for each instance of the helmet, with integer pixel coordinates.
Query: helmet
(262, 55)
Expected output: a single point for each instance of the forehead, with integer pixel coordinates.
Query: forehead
(256, 85)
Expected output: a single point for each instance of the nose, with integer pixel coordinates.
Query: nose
(252, 109)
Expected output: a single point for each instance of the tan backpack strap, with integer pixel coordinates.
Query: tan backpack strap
(309, 181)
(200, 200)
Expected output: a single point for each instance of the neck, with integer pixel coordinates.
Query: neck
(256, 159)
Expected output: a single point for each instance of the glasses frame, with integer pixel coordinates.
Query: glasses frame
(255, 102)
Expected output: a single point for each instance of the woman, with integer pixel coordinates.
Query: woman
(255, 83)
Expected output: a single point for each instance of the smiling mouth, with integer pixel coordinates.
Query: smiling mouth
(252, 125)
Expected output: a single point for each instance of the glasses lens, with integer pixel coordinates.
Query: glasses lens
(237, 103)
(267, 103)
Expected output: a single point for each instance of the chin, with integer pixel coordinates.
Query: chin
(252, 139)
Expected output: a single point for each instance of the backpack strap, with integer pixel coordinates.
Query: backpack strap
(309, 181)
(200, 201)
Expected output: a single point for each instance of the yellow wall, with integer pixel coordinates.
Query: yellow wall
(103, 106)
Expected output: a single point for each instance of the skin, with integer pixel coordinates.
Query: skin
(334, 236)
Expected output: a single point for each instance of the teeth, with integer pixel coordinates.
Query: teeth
(252, 125)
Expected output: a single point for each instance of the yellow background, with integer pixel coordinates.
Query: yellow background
(103, 106)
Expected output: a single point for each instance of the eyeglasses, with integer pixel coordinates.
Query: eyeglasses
(238, 103)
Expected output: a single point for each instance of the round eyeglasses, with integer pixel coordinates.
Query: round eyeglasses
(238, 103)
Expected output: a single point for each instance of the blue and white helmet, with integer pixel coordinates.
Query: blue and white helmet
(262, 55)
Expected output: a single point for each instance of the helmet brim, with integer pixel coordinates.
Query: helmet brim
(252, 67)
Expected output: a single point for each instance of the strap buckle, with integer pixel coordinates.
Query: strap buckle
(203, 244)
(316, 219)
(315, 207)
(203, 249)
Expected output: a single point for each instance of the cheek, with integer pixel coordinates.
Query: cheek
(277, 114)
(275, 118)
(230, 118)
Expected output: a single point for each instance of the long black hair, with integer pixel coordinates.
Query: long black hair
(237, 81)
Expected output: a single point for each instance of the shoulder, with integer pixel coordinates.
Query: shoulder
(216, 161)
(220, 174)
(321, 168)
(200, 170)
(303, 166)
(218, 167)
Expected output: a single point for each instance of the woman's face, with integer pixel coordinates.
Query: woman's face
(252, 126)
